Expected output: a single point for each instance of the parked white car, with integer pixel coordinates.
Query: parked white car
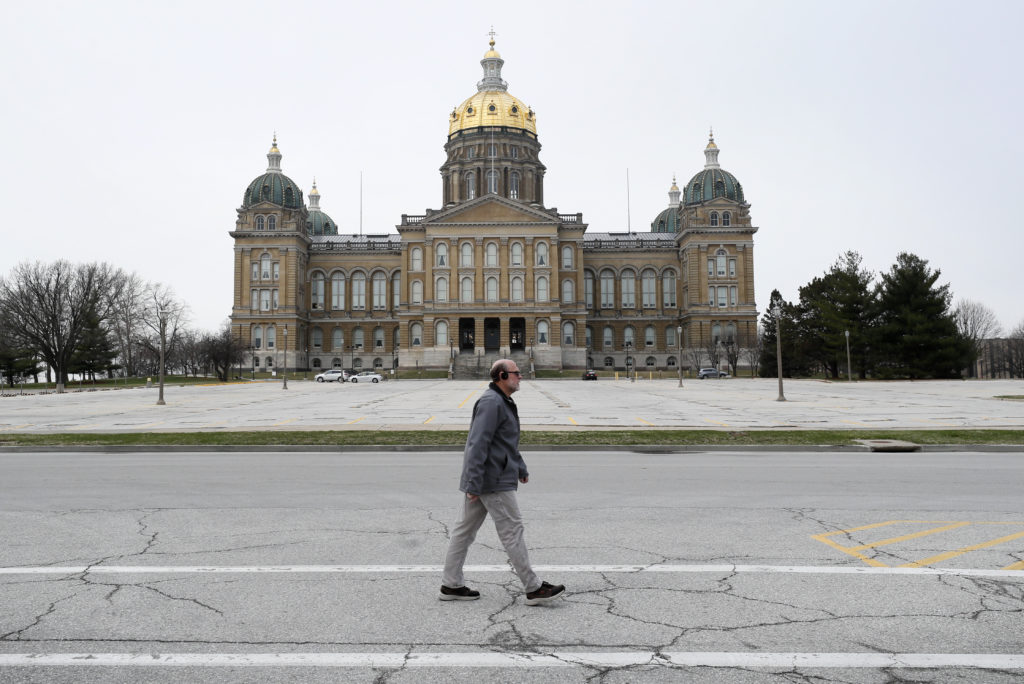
(332, 375)
(366, 376)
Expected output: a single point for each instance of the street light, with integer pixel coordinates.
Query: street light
(679, 353)
(394, 360)
(451, 358)
(629, 362)
(285, 385)
(533, 371)
(778, 347)
(849, 372)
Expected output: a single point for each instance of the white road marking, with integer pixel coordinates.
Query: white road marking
(430, 569)
(1002, 661)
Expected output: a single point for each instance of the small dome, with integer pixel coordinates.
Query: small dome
(711, 183)
(667, 221)
(319, 223)
(276, 188)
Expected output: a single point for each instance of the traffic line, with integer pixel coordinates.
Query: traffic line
(476, 659)
(644, 421)
(431, 569)
(356, 420)
(572, 421)
(428, 420)
(285, 422)
(953, 554)
(906, 537)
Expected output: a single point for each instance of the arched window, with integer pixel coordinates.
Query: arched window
(568, 292)
(730, 333)
(257, 337)
(649, 336)
(513, 185)
(335, 362)
(567, 256)
(337, 340)
(318, 339)
(726, 218)
(542, 254)
(491, 258)
(271, 336)
(648, 288)
(416, 334)
(629, 336)
(609, 362)
(417, 292)
(359, 291)
(269, 363)
(378, 337)
(671, 362)
(668, 288)
(265, 267)
(542, 332)
(378, 364)
(467, 290)
(357, 338)
(442, 255)
(396, 290)
(607, 289)
(720, 256)
(492, 181)
(716, 333)
(380, 291)
(271, 223)
(467, 254)
(628, 289)
(317, 291)
(542, 289)
(259, 223)
(714, 218)
(337, 291)
(470, 185)
(517, 289)
(357, 363)
(588, 289)
(316, 363)
(609, 337)
(517, 254)
(650, 362)
(441, 333)
(441, 290)
(492, 289)
(416, 259)
(569, 334)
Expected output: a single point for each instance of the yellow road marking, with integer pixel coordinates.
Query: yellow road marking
(18, 427)
(470, 396)
(854, 422)
(357, 420)
(905, 537)
(428, 420)
(929, 421)
(82, 427)
(644, 421)
(285, 422)
(572, 421)
(1015, 566)
(870, 561)
(953, 554)
(708, 420)
(217, 424)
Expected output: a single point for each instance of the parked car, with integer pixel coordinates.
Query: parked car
(711, 373)
(332, 375)
(590, 375)
(366, 376)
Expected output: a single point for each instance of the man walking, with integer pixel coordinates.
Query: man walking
(492, 469)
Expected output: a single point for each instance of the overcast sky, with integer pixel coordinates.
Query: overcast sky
(131, 129)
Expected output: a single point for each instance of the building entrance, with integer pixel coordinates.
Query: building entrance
(492, 334)
(466, 328)
(517, 333)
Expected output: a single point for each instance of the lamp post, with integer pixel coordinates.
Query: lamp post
(778, 347)
(285, 383)
(679, 353)
(533, 371)
(629, 362)
(394, 360)
(451, 358)
(849, 371)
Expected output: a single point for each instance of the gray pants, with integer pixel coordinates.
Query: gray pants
(504, 510)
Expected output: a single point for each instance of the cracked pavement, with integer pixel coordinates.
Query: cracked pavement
(299, 509)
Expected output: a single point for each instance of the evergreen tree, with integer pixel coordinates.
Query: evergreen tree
(95, 351)
(794, 361)
(916, 336)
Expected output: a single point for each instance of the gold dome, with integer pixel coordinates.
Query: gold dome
(492, 52)
(492, 108)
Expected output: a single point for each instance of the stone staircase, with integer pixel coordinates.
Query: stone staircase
(476, 364)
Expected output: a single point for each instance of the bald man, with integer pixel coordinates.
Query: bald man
(492, 469)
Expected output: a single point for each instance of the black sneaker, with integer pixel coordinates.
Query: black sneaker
(459, 594)
(546, 593)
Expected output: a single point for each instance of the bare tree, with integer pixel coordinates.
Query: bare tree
(127, 305)
(732, 353)
(753, 346)
(713, 351)
(976, 323)
(49, 305)
(696, 356)
(223, 350)
(164, 315)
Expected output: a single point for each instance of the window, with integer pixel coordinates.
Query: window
(517, 289)
(720, 264)
(711, 268)
(442, 255)
(588, 289)
(517, 254)
(395, 336)
(259, 223)
(441, 290)
(359, 291)
(380, 291)
(316, 363)
(542, 332)
(271, 336)
(732, 295)
(491, 255)
(257, 337)
(492, 181)
(542, 290)
(628, 290)
(671, 362)
(357, 338)
(648, 289)
(271, 223)
(467, 254)
(337, 340)
(609, 362)
(569, 334)
(416, 259)
(317, 291)
(492, 289)
(649, 336)
(378, 337)
(726, 218)
(357, 363)
(513, 151)
(273, 296)
(335, 362)
(567, 256)
(513, 184)
(607, 289)
(629, 336)
(723, 294)
(470, 151)
(711, 295)
(378, 364)
(265, 267)
(649, 362)
(492, 150)
(254, 299)
(714, 218)
(609, 337)
(470, 185)
(277, 271)
(670, 337)
(416, 334)
(668, 288)
(732, 268)
(542, 254)
(318, 339)
(467, 290)
(716, 333)
(264, 300)
(417, 292)
(255, 270)
(568, 292)
(396, 290)
(337, 292)
(269, 362)
(441, 334)
(730, 332)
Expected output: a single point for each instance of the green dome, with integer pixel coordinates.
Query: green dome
(273, 187)
(319, 223)
(666, 222)
(710, 184)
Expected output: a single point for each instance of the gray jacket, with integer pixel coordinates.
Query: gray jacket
(492, 462)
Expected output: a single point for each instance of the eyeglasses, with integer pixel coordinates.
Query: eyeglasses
(519, 373)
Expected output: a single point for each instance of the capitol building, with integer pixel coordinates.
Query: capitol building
(492, 272)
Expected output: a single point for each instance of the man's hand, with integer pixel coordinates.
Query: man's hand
(524, 480)
(471, 497)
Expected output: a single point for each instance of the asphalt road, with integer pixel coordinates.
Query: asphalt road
(725, 567)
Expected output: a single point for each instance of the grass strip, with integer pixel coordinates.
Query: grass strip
(529, 437)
